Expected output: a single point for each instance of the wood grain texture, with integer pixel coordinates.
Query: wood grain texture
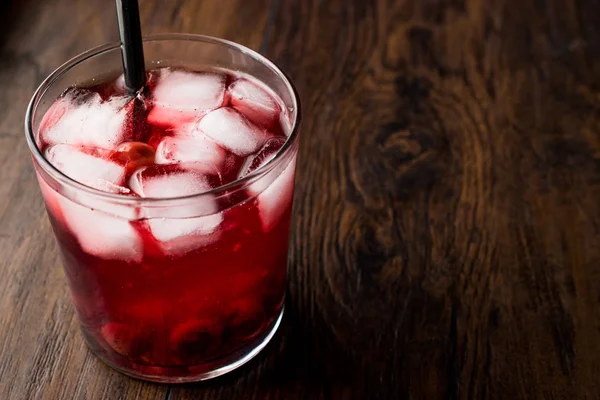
(447, 204)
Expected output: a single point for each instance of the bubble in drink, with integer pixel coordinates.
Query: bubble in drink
(206, 277)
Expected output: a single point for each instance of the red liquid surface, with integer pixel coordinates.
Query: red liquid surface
(175, 307)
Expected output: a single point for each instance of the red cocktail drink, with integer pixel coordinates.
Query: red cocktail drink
(172, 208)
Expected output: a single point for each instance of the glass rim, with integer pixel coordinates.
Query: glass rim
(252, 177)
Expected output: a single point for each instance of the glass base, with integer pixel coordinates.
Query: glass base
(195, 373)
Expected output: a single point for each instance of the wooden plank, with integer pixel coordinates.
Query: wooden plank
(42, 354)
(447, 213)
(446, 240)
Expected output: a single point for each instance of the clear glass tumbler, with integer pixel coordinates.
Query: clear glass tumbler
(204, 307)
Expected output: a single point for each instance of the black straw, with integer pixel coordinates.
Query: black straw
(132, 50)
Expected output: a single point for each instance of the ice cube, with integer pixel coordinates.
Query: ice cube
(274, 200)
(274, 196)
(233, 131)
(189, 225)
(102, 234)
(179, 236)
(254, 102)
(82, 118)
(98, 233)
(50, 120)
(174, 149)
(181, 96)
(89, 166)
(266, 154)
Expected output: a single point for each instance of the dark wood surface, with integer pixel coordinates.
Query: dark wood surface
(447, 209)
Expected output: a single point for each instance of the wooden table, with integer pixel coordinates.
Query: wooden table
(447, 212)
